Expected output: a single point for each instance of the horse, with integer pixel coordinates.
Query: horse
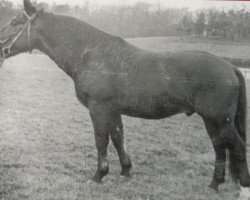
(114, 78)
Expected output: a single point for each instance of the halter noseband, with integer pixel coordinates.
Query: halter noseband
(6, 50)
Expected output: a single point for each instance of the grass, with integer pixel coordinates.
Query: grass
(47, 148)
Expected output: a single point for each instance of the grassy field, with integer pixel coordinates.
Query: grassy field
(47, 148)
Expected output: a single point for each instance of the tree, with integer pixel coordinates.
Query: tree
(200, 23)
(61, 9)
(187, 23)
(6, 12)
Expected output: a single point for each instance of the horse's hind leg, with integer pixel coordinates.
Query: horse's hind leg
(237, 149)
(220, 152)
(229, 138)
(117, 136)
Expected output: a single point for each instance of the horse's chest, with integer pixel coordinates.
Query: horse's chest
(95, 86)
(82, 96)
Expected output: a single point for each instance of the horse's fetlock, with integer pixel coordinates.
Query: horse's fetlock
(220, 180)
(127, 165)
(103, 170)
(245, 181)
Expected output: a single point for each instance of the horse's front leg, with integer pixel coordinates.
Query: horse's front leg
(117, 137)
(100, 116)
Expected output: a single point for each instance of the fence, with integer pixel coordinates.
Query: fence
(246, 73)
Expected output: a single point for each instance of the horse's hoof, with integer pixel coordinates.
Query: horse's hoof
(126, 175)
(214, 186)
(244, 194)
(93, 182)
(124, 179)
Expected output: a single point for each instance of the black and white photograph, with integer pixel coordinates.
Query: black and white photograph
(124, 99)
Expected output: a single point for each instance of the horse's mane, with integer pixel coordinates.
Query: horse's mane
(77, 28)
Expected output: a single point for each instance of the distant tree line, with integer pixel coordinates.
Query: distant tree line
(6, 11)
(143, 20)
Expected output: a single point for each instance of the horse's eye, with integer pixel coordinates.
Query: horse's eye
(18, 20)
(13, 23)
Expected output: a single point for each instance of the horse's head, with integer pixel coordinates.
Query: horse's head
(20, 34)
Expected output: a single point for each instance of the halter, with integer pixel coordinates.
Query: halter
(6, 50)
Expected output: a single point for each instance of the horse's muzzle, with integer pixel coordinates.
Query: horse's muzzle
(4, 52)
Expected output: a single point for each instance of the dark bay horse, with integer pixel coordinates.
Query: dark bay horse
(114, 78)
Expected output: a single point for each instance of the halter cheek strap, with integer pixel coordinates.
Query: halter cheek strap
(30, 50)
(26, 15)
(29, 19)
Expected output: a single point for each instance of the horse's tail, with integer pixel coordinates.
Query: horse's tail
(239, 121)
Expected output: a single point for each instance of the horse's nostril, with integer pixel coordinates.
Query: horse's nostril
(6, 51)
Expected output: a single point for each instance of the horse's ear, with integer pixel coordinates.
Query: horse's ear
(29, 8)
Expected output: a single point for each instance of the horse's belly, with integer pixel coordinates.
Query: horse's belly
(148, 115)
(154, 109)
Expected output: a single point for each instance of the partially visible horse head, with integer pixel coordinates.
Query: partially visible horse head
(20, 34)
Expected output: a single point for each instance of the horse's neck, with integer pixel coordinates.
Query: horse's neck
(65, 42)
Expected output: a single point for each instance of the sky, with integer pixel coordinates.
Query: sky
(191, 4)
